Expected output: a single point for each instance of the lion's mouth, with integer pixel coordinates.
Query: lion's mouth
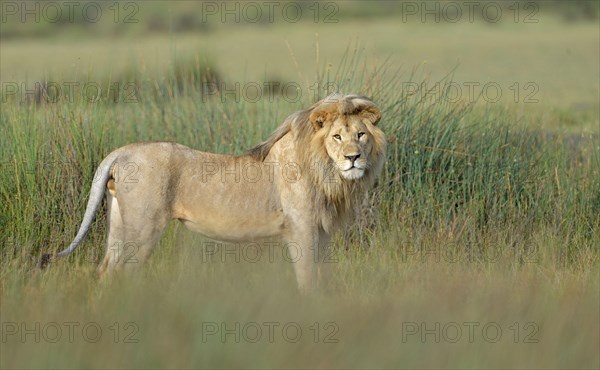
(353, 166)
(353, 173)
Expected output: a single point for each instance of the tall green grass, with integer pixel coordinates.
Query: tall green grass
(476, 218)
(464, 169)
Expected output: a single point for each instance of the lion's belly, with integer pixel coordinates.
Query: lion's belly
(227, 227)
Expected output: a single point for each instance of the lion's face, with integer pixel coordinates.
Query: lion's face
(348, 143)
(347, 137)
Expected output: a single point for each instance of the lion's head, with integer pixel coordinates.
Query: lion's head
(346, 128)
(339, 132)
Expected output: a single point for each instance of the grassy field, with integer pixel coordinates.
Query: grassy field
(478, 248)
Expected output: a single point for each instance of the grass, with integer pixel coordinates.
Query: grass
(478, 248)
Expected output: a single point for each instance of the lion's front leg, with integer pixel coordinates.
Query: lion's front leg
(311, 253)
(324, 260)
(303, 246)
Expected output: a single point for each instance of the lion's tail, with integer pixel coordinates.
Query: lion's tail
(101, 177)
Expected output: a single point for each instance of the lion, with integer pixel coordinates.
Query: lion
(300, 185)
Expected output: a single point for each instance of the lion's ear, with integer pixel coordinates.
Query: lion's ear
(317, 119)
(371, 114)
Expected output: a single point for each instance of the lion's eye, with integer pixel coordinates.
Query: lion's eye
(337, 137)
(360, 134)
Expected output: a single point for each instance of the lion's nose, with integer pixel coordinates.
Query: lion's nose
(352, 157)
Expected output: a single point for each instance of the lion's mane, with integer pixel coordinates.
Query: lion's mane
(333, 197)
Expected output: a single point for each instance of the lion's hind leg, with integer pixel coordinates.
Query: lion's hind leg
(114, 236)
(132, 234)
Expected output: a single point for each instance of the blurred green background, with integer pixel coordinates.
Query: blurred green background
(542, 55)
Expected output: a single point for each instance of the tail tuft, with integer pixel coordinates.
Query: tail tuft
(45, 261)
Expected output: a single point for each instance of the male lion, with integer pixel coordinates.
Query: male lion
(300, 185)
